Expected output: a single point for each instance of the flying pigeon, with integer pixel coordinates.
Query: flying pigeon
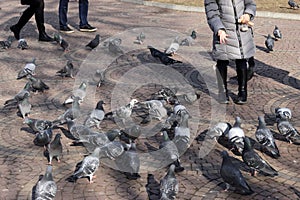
(45, 188)
(255, 162)
(24, 93)
(71, 113)
(188, 41)
(37, 85)
(269, 42)
(94, 42)
(232, 176)
(129, 163)
(25, 106)
(220, 129)
(283, 113)
(99, 76)
(277, 33)
(130, 134)
(265, 137)
(87, 167)
(236, 136)
(29, 69)
(80, 93)
(123, 113)
(114, 46)
(37, 124)
(22, 44)
(140, 38)
(55, 149)
(96, 116)
(174, 46)
(169, 186)
(293, 4)
(67, 71)
(156, 109)
(286, 128)
(43, 138)
(74, 131)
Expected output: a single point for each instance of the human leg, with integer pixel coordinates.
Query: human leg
(251, 65)
(25, 17)
(241, 70)
(39, 19)
(83, 14)
(63, 19)
(221, 73)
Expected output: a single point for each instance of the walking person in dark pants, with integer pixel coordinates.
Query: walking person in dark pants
(227, 19)
(84, 26)
(36, 7)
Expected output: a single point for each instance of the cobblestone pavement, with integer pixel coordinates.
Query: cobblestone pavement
(275, 84)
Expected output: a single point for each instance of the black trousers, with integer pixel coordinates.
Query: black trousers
(36, 7)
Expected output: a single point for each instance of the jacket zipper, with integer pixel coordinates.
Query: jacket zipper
(237, 29)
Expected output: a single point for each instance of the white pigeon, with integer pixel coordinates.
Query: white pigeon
(283, 113)
(236, 136)
(174, 46)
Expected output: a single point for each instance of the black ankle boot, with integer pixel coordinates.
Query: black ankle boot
(221, 72)
(44, 37)
(242, 81)
(16, 31)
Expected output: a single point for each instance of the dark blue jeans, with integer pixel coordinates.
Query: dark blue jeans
(63, 10)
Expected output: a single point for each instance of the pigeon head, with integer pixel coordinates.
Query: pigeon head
(224, 154)
(261, 121)
(48, 174)
(237, 122)
(100, 104)
(133, 102)
(283, 113)
(171, 170)
(58, 136)
(194, 34)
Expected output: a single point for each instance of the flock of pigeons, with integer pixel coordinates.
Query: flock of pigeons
(234, 138)
(116, 145)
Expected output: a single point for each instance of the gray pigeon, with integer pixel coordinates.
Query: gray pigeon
(269, 42)
(94, 42)
(37, 124)
(7, 43)
(129, 163)
(286, 128)
(188, 41)
(80, 93)
(43, 138)
(45, 188)
(87, 167)
(29, 69)
(22, 44)
(174, 46)
(55, 149)
(37, 85)
(182, 133)
(25, 106)
(24, 93)
(265, 137)
(255, 162)
(67, 70)
(152, 187)
(169, 186)
(140, 38)
(232, 176)
(64, 45)
(293, 4)
(236, 137)
(74, 131)
(156, 109)
(57, 37)
(96, 116)
(277, 33)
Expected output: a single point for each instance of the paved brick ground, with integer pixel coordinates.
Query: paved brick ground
(275, 84)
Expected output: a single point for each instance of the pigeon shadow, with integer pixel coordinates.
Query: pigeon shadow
(152, 187)
(297, 192)
(28, 130)
(261, 48)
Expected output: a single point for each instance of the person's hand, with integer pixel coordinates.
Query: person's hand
(244, 19)
(223, 36)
